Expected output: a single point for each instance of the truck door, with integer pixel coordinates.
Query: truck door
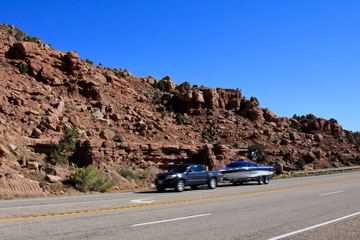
(202, 174)
(191, 176)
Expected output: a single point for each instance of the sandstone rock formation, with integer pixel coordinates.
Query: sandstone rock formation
(123, 120)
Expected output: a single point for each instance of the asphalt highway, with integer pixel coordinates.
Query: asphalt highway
(318, 207)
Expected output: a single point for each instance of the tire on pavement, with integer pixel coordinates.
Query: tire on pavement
(266, 179)
(180, 185)
(212, 183)
(261, 180)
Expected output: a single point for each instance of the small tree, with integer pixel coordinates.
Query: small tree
(310, 116)
(66, 147)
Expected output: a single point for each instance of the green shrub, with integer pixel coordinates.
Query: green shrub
(89, 179)
(310, 116)
(67, 142)
(302, 118)
(56, 156)
(31, 39)
(19, 35)
(236, 145)
(156, 97)
(118, 73)
(23, 68)
(204, 134)
(333, 120)
(159, 85)
(355, 161)
(146, 173)
(89, 61)
(296, 126)
(66, 147)
(136, 175)
(300, 164)
(179, 118)
(129, 173)
(163, 114)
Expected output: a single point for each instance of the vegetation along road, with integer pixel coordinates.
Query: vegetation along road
(318, 207)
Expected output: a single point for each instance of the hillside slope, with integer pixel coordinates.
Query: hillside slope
(139, 123)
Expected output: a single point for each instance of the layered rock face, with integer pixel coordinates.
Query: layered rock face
(124, 120)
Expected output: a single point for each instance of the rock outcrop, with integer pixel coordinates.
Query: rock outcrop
(123, 120)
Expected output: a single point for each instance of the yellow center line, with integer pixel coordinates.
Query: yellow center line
(177, 202)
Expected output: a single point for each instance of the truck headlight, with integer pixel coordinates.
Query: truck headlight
(171, 176)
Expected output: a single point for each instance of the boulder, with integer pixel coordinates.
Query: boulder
(53, 178)
(279, 167)
(318, 137)
(198, 97)
(4, 153)
(309, 157)
(269, 116)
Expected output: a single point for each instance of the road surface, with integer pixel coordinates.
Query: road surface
(317, 207)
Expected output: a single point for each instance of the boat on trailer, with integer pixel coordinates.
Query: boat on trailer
(241, 171)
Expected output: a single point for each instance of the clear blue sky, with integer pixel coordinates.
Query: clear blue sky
(294, 56)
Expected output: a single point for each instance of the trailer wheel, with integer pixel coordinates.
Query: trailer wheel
(261, 180)
(212, 183)
(266, 179)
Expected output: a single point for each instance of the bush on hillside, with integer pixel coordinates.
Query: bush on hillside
(23, 68)
(89, 179)
(65, 149)
(300, 164)
(179, 118)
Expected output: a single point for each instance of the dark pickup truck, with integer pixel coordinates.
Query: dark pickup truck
(182, 175)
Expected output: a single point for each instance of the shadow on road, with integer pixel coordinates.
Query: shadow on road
(200, 188)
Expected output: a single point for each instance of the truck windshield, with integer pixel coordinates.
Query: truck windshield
(179, 169)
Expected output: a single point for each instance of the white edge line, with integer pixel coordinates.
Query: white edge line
(312, 227)
(170, 220)
(64, 204)
(324, 194)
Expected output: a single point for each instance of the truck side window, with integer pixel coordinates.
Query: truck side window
(201, 168)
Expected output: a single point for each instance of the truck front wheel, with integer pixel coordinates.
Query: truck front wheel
(180, 185)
